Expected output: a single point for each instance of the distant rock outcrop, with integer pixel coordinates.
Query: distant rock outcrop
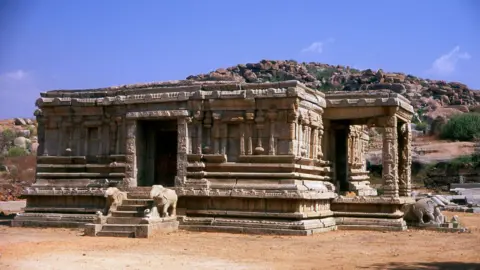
(423, 93)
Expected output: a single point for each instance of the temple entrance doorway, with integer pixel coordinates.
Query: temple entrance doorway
(341, 155)
(157, 152)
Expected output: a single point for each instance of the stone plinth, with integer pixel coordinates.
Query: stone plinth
(370, 213)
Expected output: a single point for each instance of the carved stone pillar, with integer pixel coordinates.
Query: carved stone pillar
(314, 144)
(260, 121)
(40, 131)
(208, 129)
(292, 119)
(303, 151)
(199, 132)
(405, 159)
(182, 150)
(272, 116)
(131, 166)
(113, 137)
(216, 133)
(390, 157)
(190, 134)
(326, 141)
(242, 139)
(223, 140)
(250, 116)
(320, 144)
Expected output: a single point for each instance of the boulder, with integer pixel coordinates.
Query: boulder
(20, 122)
(21, 142)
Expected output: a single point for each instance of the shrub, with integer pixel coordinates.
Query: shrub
(17, 152)
(462, 127)
(422, 126)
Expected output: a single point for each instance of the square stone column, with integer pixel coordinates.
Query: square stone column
(182, 150)
(130, 153)
(405, 159)
(390, 157)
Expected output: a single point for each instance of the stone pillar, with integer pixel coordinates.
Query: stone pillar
(292, 121)
(223, 136)
(242, 139)
(326, 141)
(190, 135)
(390, 157)
(131, 157)
(314, 145)
(405, 159)
(272, 116)
(260, 120)
(198, 149)
(40, 131)
(216, 133)
(182, 150)
(303, 151)
(250, 116)
(208, 129)
(320, 143)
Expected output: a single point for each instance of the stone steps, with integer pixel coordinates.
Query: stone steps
(116, 234)
(133, 201)
(128, 220)
(119, 228)
(127, 213)
(134, 207)
(124, 220)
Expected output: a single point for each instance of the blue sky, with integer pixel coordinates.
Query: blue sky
(59, 44)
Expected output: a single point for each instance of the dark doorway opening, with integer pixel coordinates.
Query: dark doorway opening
(157, 153)
(341, 158)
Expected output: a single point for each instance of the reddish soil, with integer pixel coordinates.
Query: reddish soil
(26, 248)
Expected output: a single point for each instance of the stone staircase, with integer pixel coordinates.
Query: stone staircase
(128, 220)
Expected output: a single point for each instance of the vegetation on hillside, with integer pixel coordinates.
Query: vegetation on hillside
(462, 127)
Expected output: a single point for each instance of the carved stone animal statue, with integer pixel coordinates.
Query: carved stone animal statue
(165, 200)
(424, 211)
(114, 199)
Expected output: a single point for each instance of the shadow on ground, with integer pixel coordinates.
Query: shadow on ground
(425, 266)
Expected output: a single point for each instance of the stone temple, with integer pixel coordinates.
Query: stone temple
(242, 157)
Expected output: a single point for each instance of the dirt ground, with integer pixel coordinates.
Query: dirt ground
(28, 248)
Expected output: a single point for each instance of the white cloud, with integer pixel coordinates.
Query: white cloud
(16, 75)
(317, 46)
(447, 63)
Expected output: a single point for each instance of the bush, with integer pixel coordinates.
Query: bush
(422, 126)
(462, 127)
(17, 152)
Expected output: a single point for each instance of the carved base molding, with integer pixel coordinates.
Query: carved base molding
(258, 226)
(52, 220)
(370, 224)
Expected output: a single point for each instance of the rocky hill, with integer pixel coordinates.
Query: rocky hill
(429, 97)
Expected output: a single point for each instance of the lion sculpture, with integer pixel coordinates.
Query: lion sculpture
(114, 199)
(164, 202)
(424, 211)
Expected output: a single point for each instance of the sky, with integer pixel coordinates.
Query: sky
(78, 44)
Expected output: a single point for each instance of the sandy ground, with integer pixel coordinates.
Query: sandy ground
(441, 150)
(28, 248)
